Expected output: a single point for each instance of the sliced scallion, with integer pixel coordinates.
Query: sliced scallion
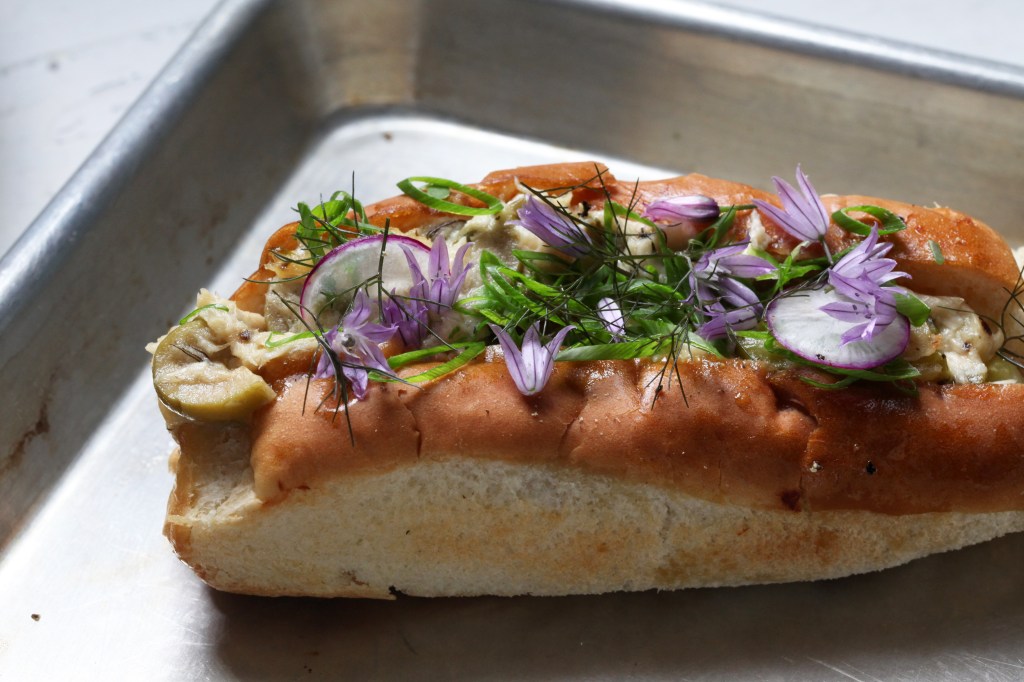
(469, 351)
(429, 197)
(913, 308)
(890, 222)
(271, 342)
(188, 318)
(641, 348)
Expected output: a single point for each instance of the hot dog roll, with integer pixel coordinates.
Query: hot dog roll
(555, 382)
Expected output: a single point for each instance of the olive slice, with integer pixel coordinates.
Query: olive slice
(1003, 370)
(191, 381)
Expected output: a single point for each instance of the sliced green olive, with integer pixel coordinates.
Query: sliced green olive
(754, 349)
(191, 381)
(932, 367)
(1000, 369)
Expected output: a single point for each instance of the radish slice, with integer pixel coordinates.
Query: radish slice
(799, 325)
(333, 281)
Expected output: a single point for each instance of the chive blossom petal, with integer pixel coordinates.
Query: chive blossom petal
(439, 288)
(802, 214)
(714, 286)
(356, 341)
(692, 207)
(530, 366)
(859, 280)
(720, 322)
(408, 316)
(611, 317)
(553, 227)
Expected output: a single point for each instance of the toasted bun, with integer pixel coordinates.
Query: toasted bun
(602, 482)
(737, 434)
(464, 525)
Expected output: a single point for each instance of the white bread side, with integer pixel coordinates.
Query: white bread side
(464, 526)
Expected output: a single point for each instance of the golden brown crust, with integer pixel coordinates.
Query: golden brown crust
(950, 448)
(404, 213)
(737, 433)
(303, 434)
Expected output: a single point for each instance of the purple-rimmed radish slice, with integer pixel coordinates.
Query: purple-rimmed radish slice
(333, 281)
(799, 325)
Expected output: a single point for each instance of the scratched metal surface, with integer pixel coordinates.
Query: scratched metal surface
(274, 102)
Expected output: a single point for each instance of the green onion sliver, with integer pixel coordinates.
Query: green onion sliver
(641, 348)
(403, 359)
(913, 308)
(469, 351)
(493, 204)
(890, 221)
(271, 342)
(188, 318)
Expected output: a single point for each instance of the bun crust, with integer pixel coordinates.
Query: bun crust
(739, 434)
(602, 481)
(463, 526)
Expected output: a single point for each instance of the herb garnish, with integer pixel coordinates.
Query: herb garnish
(438, 200)
(615, 283)
(188, 318)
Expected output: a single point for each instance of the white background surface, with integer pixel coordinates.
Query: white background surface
(70, 69)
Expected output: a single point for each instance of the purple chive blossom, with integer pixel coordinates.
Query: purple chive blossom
(553, 227)
(802, 214)
(866, 262)
(356, 341)
(611, 317)
(693, 207)
(732, 262)
(408, 316)
(531, 366)
(714, 283)
(721, 321)
(439, 288)
(858, 280)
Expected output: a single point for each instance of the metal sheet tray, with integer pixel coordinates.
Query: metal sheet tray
(275, 102)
